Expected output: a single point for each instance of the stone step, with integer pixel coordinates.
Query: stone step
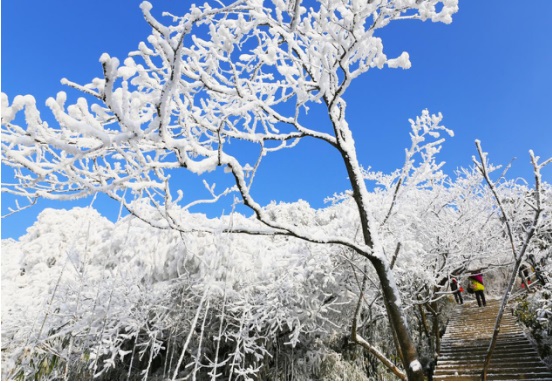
(481, 357)
(484, 330)
(466, 317)
(482, 347)
(519, 341)
(488, 318)
(499, 376)
(474, 368)
(484, 335)
(518, 349)
(478, 326)
(502, 354)
(475, 328)
(516, 340)
(468, 335)
(481, 324)
(527, 361)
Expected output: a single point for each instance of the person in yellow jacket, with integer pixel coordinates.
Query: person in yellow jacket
(476, 284)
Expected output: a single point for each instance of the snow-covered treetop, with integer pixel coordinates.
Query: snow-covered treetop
(243, 71)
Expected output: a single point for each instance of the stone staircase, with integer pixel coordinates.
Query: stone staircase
(464, 347)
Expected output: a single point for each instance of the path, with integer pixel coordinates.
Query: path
(467, 338)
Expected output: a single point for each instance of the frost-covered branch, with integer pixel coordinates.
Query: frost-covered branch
(517, 253)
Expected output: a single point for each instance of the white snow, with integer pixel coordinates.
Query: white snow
(403, 61)
(415, 366)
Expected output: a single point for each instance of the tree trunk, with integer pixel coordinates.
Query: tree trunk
(391, 295)
(423, 321)
(357, 338)
(435, 327)
(501, 310)
(398, 322)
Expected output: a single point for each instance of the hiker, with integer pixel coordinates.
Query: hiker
(539, 275)
(524, 275)
(457, 291)
(476, 284)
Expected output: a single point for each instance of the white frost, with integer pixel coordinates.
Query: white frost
(415, 366)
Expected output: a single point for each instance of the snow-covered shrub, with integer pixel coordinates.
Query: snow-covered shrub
(85, 298)
(127, 301)
(535, 312)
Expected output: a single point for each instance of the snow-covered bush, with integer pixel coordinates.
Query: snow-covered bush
(86, 298)
(534, 310)
(89, 298)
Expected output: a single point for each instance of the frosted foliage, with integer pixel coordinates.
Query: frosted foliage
(126, 300)
(112, 286)
(535, 310)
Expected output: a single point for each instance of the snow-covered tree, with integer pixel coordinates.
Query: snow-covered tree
(223, 86)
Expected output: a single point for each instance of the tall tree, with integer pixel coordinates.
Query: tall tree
(219, 84)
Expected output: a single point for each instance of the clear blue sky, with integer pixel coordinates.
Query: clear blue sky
(489, 73)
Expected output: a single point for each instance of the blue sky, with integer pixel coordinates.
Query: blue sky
(489, 73)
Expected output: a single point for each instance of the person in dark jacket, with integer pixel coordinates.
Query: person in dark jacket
(540, 276)
(456, 290)
(524, 275)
